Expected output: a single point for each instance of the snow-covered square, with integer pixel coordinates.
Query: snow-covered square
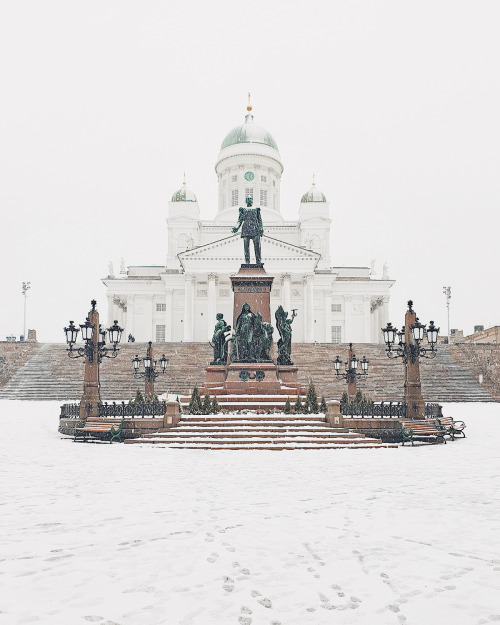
(144, 535)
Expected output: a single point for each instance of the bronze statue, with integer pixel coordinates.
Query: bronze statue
(252, 337)
(218, 343)
(252, 229)
(284, 326)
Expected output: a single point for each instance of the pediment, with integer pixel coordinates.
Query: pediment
(228, 253)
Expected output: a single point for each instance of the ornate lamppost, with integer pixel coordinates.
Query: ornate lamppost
(93, 351)
(150, 373)
(410, 350)
(351, 371)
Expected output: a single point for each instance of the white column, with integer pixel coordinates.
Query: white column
(384, 318)
(309, 301)
(168, 314)
(212, 304)
(367, 319)
(150, 326)
(110, 309)
(347, 319)
(285, 292)
(328, 316)
(188, 307)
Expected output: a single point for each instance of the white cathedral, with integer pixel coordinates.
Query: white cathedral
(179, 301)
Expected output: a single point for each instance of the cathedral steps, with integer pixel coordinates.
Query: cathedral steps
(258, 432)
(46, 373)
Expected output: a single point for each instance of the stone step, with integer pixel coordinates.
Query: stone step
(273, 447)
(44, 372)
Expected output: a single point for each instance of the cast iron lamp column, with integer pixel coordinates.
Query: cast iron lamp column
(93, 352)
(351, 371)
(150, 374)
(410, 351)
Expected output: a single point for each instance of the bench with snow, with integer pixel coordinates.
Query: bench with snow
(421, 430)
(451, 427)
(101, 428)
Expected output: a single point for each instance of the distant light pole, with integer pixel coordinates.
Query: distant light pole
(410, 351)
(93, 351)
(26, 287)
(447, 292)
(150, 374)
(351, 371)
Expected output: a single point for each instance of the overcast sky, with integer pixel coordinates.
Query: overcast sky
(394, 105)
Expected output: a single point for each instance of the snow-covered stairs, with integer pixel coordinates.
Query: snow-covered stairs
(254, 431)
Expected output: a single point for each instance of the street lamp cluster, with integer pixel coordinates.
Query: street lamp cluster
(150, 373)
(351, 371)
(410, 350)
(93, 351)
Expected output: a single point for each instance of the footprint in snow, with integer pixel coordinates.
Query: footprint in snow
(213, 557)
(228, 584)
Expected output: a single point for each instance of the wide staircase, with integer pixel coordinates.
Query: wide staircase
(46, 373)
(253, 432)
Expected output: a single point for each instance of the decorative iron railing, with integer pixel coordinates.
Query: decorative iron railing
(391, 410)
(70, 411)
(127, 410)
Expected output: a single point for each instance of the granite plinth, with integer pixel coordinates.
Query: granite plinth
(252, 285)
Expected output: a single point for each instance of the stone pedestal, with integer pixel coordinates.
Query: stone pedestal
(257, 378)
(287, 375)
(252, 285)
(172, 415)
(334, 416)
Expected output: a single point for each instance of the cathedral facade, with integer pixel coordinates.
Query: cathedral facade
(179, 301)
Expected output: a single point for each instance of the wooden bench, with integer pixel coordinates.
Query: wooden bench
(421, 430)
(451, 427)
(101, 428)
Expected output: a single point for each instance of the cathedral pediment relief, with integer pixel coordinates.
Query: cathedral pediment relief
(229, 252)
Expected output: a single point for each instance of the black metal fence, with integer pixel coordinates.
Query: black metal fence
(388, 410)
(122, 409)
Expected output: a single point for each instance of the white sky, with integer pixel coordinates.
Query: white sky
(394, 105)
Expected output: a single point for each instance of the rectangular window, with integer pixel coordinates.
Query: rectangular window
(160, 334)
(234, 197)
(263, 178)
(336, 334)
(263, 197)
(336, 307)
(234, 178)
(248, 193)
(161, 307)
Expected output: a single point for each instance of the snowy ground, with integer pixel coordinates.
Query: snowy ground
(141, 535)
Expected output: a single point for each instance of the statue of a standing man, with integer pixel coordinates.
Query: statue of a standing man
(252, 229)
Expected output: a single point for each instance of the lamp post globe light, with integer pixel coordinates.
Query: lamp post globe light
(150, 373)
(93, 350)
(407, 346)
(351, 371)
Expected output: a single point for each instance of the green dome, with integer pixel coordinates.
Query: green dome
(184, 195)
(313, 195)
(249, 133)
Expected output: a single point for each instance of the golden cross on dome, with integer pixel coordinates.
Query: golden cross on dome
(184, 178)
(314, 180)
(249, 105)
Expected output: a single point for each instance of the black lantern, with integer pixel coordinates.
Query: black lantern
(115, 333)
(417, 330)
(163, 363)
(337, 364)
(87, 329)
(136, 362)
(71, 333)
(364, 365)
(389, 334)
(432, 334)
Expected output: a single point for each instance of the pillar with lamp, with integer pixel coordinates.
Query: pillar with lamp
(409, 348)
(94, 350)
(150, 373)
(351, 371)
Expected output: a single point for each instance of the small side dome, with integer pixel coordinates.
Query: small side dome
(184, 194)
(314, 194)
